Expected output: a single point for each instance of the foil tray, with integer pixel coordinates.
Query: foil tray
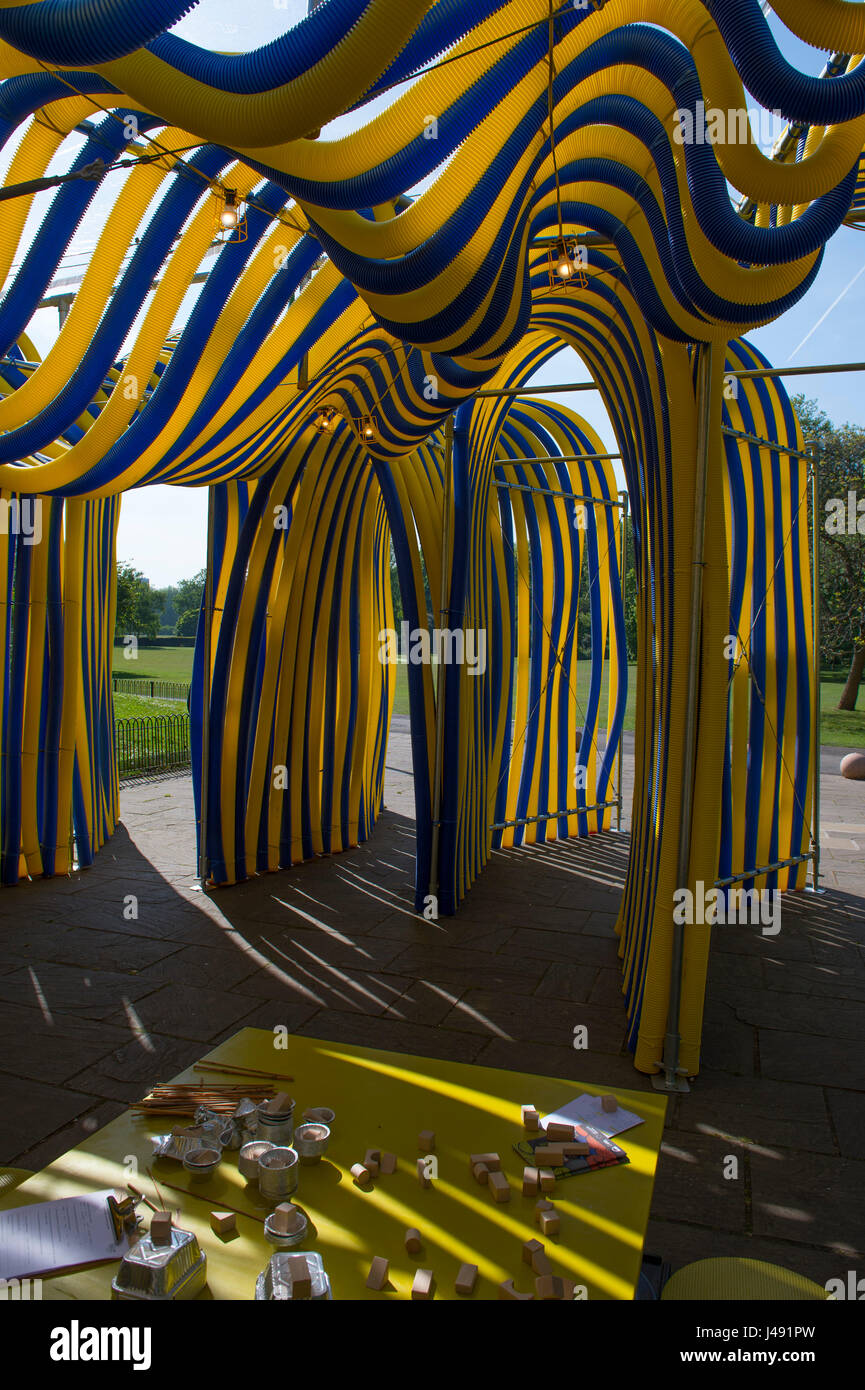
(161, 1273)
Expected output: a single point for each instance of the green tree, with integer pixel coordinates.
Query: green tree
(188, 594)
(168, 612)
(839, 452)
(138, 607)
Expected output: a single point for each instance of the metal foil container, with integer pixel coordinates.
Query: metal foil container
(162, 1272)
(202, 1162)
(283, 1241)
(277, 1174)
(279, 1129)
(320, 1115)
(311, 1140)
(247, 1159)
(274, 1282)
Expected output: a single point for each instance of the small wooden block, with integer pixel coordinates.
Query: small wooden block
(542, 1205)
(279, 1104)
(378, 1273)
(547, 1180)
(530, 1249)
(466, 1279)
(531, 1182)
(422, 1173)
(426, 1141)
(286, 1219)
(223, 1222)
(372, 1162)
(530, 1117)
(549, 1223)
(576, 1150)
(609, 1103)
(552, 1154)
(160, 1228)
(558, 1131)
(540, 1263)
(507, 1291)
(481, 1173)
(500, 1187)
(549, 1286)
(361, 1175)
(301, 1283)
(413, 1241)
(490, 1161)
(424, 1284)
(388, 1164)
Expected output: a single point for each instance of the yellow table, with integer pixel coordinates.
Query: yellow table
(383, 1100)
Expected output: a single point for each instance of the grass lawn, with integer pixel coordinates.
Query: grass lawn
(142, 707)
(155, 664)
(845, 728)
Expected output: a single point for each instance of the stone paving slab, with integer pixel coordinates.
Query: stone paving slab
(333, 949)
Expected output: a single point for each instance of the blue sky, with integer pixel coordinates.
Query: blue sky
(162, 530)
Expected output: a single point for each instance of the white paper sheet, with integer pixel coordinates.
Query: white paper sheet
(50, 1236)
(588, 1110)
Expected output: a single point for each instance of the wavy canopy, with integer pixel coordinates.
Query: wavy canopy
(377, 281)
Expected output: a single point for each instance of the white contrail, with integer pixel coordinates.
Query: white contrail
(825, 316)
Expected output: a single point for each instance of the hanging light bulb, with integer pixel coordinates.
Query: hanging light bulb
(564, 264)
(367, 428)
(325, 421)
(229, 216)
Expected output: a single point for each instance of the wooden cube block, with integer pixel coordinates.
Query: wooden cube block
(530, 1118)
(160, 1228)
(466, 1279)
(534, 1255)
(388, 1164)
(223, 1222)
(286, 1219)
(558, 1131)
(540, 1263)
(500, 1187)
(531, 1182)
(548, 1286)
(507, 1291)
(372, 1162)
(426, 1141)
(412, 1240)
(279, 1104)
(547, 1180)
(424, 1284)
(301, 1283)
(575, 1150)
(422, 1173)
(490, 1161)
(609, 1104)
(550, 1223)
(543, 1205)
(481, 1173)
(530, 1249)
(553, 1155)
(361, 1174)
(378, 1273)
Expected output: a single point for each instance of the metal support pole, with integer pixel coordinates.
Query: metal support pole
(447, 502)
(626, 511)
(203, 861)
(554, 458)
(671, 1078)
(818, 692)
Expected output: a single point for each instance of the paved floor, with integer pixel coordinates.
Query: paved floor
(121, 976)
